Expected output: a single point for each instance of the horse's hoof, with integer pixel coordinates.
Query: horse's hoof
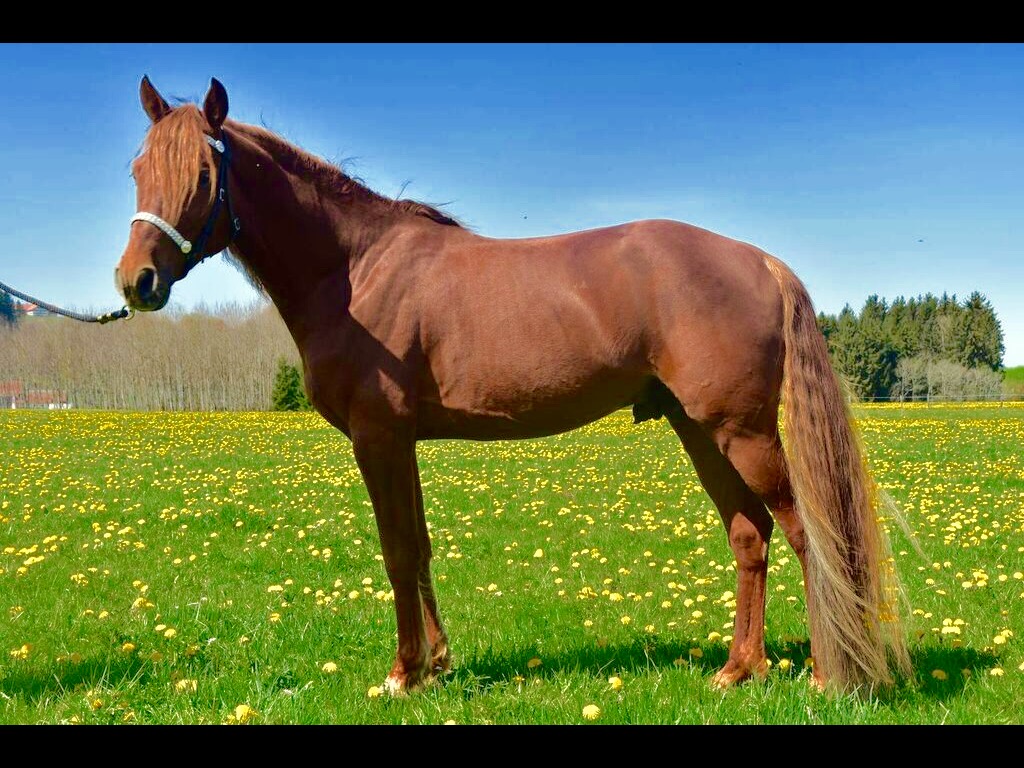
(403, 684)
(734, 672)
(729, 675)
(394, 686)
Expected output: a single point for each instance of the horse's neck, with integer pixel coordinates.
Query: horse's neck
(297, 241)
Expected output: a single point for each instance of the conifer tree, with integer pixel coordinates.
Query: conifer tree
(7, 314)
(980, 342)
(289, 394)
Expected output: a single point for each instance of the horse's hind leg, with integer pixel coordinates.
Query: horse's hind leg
(749, 527)
(759, 459)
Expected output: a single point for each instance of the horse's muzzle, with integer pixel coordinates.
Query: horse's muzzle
(147, 293)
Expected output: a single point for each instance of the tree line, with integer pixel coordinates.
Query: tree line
(918, 348)
(209, 359)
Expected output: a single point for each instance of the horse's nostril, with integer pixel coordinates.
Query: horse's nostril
(145, 284)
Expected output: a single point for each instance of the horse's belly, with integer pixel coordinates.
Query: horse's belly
(526, 411)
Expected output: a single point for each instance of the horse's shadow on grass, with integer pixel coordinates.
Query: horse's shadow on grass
(490, 668)
(37, 685)
(938, 672)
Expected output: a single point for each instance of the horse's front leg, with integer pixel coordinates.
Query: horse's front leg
(440, 658)
(387, 462)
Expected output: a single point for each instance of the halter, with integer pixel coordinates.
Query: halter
(194, 251)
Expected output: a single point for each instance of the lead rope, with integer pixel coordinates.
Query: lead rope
(120, 314)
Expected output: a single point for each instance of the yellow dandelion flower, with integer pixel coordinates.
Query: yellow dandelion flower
(127, 647)
(275, 588)
(21, 653)
(625, 620)
(329, 667)
(375, 691)
(353, 594)
(999, 639)
(939, 674)
(450, 722)
(615, 683)
(244, 713)
(996, 671)
(186, 685)
(696, 653)
(533, 663)
(539, 553)
(591, 712)
(784, 665)
(170, 632)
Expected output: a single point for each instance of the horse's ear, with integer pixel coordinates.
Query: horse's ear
(152, 101)
(215, 108)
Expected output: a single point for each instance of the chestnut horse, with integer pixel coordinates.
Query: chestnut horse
(411, 327)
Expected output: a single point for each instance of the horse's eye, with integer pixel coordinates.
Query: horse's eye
(204, 178)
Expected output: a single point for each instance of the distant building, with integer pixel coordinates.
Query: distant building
(11, 392)
(26, 309)
(51, 399)
(13, 395)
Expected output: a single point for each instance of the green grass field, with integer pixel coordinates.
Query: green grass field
(214, 568)
(1013, 380)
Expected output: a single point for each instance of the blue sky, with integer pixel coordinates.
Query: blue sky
(888, 169)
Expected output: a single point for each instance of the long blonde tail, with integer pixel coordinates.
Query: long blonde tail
(852, 582)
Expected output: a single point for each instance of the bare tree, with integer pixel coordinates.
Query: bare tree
(211, 358)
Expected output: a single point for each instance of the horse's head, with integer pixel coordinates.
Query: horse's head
(181, 189)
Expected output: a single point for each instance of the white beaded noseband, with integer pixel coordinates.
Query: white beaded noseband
(167, 229)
